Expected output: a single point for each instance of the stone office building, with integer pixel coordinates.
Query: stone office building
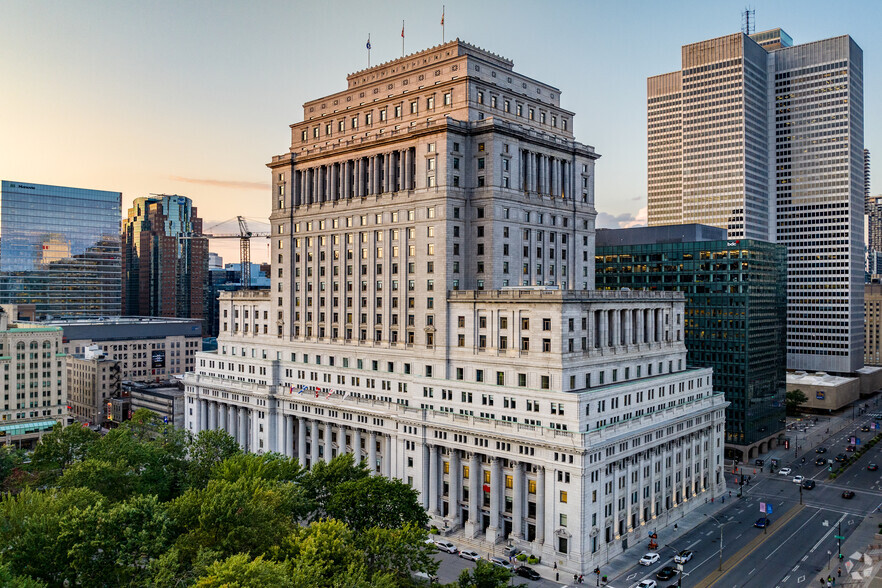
(432, 310)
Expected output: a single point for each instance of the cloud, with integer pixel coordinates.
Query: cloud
(621, 221)
(239, 185)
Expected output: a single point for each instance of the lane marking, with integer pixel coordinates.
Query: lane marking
(827, 534)
(781, 543)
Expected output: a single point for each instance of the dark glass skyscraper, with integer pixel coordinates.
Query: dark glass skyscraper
(735, 313)
(60, 249)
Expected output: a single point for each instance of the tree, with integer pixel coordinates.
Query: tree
(322, 552)
(10, 580)
(375, 501)
(206, 451)
(264, 466)
(63, 445)
(31, 524)
(321, 481)
(114, 481)
(108, 545)
(793, 400)
(484, 575)
(240, 571)
(398, 552)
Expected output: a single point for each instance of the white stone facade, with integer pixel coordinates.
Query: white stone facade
(439, 320)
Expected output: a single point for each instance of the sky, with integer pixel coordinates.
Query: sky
(195, 97)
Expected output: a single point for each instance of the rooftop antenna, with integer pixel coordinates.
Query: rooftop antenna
(748, 21)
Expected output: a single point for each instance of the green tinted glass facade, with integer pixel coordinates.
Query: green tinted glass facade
(735, 317)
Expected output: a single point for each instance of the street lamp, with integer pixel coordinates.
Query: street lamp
(721, 537)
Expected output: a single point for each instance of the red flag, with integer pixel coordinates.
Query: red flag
(402, 29)
(442, 17)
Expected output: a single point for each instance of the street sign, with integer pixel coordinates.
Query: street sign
(840, 537)
(768, 509)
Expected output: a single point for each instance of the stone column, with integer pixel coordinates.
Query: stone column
(408, 169)
(314, 443)
(243, 428)
(301, 441)
(433, 479)
(387, 455)
(212, 417)
(232, 419)
(289, 436)
(496, 489)
(372, 452)
(454, 468)
(540, 506)
(203, 414)
(356, 445)
(329, 450)
(475, 495)
(221, 417)
(517, 501)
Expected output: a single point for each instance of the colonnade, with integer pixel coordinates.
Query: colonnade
(235, 420)
(392, 171)
(615, 326)
(545, 174)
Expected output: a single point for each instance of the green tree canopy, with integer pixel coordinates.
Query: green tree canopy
(375, 501)
(62, 446)
(794, 399)
(484, 575)
(321, 481)
(207, 450)
(239, 571)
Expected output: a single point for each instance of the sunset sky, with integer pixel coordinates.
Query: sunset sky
(195, 97)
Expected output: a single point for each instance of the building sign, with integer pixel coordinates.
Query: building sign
(158, 358)
(819, 395)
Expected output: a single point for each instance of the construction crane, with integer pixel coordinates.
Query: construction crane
(244, 235)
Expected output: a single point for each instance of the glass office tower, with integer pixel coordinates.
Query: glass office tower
(735, 313)
(60, 249)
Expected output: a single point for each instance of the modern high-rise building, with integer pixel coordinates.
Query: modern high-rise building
(165, 268)
(60, 249)
(765, 139)
(735, 314)
(432, 310)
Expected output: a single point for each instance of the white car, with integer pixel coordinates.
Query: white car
(502, 563)
(785, 471)
(798, 479)
(469, 554)
(683, 556)
(647, 584)
(649, 559)
(447, 546)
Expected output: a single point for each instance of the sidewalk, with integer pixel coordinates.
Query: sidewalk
(864, 551)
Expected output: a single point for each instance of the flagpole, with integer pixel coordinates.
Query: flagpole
(402, 38)
(442, 24)
(369, 50)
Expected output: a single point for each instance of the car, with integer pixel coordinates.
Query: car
(872, 467)
(848, 494)
(446, 546)
(666, 573)
(683, 556)
(647, 584)
(649, 559)
(821, 450)
(865, 428)
(529, 573)
(469, 554)
(424, 577)
(808, 484)
(785, 471)
(762, 523)
(759, 462)
(798, 479)
(502, 563)
(851, 448)
(841, 457)
(820, 461)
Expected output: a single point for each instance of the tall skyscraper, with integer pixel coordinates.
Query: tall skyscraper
(60, 249)
(765, 139)
(165, 269)
(432, 310)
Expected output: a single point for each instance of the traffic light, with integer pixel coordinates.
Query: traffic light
(840, 556)
(597, 571)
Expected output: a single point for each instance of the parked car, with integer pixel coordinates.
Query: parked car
(647, 584)
(447, 546)
(759, 462)
(528, 573)
(666, 573)
(785, 471)
(872, 467)
(502, 563)
(808, 484)
(649, 559)
(841, 457)
(821, 450)
(469, 554)
(848, 494)
(762, 523)
(798, 479)
(820, 461)
(683, 556)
